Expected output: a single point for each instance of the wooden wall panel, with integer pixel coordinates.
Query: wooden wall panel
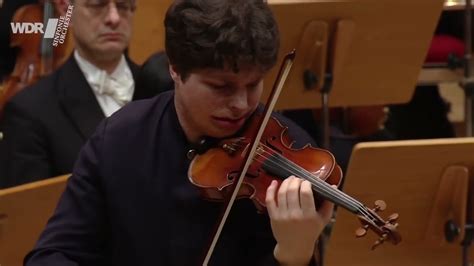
(148, 29)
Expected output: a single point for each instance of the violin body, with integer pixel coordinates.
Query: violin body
(216, 172)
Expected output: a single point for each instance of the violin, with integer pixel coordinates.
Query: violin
(244, 167)
(360, 121)
(215, 171)
(36, 56)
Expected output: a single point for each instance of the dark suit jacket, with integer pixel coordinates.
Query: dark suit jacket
(45, 125)
(130, 202)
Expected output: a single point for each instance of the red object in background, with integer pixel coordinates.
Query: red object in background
(442, 46)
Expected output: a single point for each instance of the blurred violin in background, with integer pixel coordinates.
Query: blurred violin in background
(360, 121)
(36, 55)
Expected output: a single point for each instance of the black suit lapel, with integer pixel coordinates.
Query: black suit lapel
(77, 98)
(134, 68)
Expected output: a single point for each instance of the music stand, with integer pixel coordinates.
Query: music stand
(426, 182)
(468, 82)
(24, 211)
(365, 52)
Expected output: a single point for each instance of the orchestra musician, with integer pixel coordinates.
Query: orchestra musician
(45, 125)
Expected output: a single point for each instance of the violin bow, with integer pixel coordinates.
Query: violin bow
(269, 106)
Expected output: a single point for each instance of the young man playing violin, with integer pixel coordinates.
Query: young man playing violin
(129, 200)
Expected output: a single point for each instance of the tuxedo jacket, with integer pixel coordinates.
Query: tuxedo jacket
(45, 125)
(129, 200)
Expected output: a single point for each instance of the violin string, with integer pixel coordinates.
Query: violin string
(319, 184)
(328, 189)
(325, 187)
(308, 175)
(296, 168)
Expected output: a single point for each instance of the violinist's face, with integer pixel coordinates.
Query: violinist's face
(102, 28)
(214, 102)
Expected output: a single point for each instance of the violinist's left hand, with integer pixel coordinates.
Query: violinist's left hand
(296, 224)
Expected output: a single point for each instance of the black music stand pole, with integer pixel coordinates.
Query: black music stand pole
(468, 83)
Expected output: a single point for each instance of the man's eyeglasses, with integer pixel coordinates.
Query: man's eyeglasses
(101, 6)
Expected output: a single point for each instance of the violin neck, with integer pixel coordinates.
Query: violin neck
(344, 200)
(281, 167)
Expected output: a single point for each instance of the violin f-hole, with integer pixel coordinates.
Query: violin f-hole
(251, 174)
(273, 148)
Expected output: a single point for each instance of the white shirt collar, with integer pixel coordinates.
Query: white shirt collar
(118, 85)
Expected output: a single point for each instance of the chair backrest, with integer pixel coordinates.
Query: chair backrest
(24, 212)
(3, 160)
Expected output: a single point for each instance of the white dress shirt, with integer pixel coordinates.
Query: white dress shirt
(112, 91)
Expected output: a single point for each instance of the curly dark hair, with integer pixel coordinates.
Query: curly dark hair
(220, 34)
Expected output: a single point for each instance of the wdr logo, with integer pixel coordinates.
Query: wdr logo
(56, 29)
(35, 28)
